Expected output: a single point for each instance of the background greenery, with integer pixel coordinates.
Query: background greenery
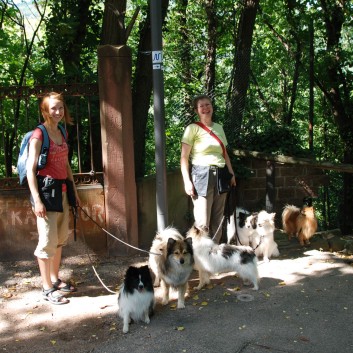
(47, 41)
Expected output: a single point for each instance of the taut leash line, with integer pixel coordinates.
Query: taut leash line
(121, 241)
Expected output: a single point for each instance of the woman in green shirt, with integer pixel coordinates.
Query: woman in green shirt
(206, 155)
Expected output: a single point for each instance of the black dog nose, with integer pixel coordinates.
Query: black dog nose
(141, 286)
(182, 260)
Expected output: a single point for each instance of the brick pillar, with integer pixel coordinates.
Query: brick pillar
(114, 70)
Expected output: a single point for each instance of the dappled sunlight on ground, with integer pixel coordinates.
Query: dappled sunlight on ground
(28, 323)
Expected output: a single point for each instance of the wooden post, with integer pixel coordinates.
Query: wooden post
(270, 186)
(114, 70)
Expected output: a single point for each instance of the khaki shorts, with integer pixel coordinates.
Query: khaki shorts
(53, 231)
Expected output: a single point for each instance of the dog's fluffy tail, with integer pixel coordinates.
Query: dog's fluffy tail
(289, 216)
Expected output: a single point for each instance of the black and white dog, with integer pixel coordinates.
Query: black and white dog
(254, 229)
(136, 296)
(211, 258)
(241, 227)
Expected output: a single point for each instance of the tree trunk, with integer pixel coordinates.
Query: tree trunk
(113, 31)
(241, 66)
(210, 71)
(71, 57)
(185, 58)
(294, 25)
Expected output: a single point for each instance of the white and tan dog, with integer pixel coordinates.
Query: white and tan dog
(211, 258)
(174, 265)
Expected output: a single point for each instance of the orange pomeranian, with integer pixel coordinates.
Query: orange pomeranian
(301, 223)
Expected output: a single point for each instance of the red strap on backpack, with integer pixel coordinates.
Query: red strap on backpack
(213, 135)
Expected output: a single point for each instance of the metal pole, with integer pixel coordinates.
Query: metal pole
(159, 125)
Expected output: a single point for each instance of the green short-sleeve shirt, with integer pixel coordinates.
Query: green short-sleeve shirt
(205, 149)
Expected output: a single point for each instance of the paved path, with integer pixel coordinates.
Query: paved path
(305, 304)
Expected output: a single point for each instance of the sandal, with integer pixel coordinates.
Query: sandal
(69, 288)
(54, 297)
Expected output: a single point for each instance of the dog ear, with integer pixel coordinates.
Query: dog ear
(188, 242)
(130, 271)
(145, 271)
(170, 245)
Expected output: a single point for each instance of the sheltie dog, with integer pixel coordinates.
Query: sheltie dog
(301, 223)
(211, 258)
(174, 265)
(262, 240)
(136, 296)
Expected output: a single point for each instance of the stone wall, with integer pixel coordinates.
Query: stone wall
(292, 183)
(18, 234)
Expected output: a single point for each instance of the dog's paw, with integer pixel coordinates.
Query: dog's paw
(147, 320)
(181, 305)
(198, 287)
(165, 301)
(126, 329)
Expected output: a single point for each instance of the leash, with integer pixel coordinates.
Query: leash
(94, 269)
(121, 241)
(219, 227)
(86, 246)
(261, 239)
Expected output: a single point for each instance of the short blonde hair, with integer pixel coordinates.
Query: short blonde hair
(44, 107)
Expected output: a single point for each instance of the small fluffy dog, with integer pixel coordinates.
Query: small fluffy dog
(241, 225)
(301, 223)
(136, 296)
(211, 258)
(174, 265)
(256, 230)
(263, 238)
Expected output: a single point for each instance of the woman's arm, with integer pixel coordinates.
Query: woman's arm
(32, 161)
(230, 169)
(184, 165)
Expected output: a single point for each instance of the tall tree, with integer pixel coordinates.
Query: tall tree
(210, 71)
(184, 54)
(13, 12)
(113, 27)
(241, 65)
(337, 89)
(67, 30)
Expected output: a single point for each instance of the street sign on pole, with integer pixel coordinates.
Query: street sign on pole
(158, 105)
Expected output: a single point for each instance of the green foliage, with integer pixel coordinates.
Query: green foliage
(65, 51)
(275, 138)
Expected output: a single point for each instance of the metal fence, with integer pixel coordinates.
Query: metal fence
(19, 113)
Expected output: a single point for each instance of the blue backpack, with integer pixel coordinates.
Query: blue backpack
(24, 149)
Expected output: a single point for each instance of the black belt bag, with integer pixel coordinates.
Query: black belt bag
(50, 192)
(223, 180)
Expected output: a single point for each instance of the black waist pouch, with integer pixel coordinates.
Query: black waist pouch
(223, 180)
(50, 192)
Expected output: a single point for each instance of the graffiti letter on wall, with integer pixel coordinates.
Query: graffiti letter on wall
(15, 218)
